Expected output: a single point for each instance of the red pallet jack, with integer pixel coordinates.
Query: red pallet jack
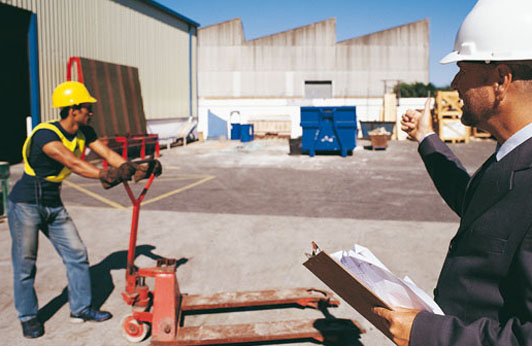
(164, 308)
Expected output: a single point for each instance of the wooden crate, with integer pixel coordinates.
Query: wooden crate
(447, 113)
(452, 130)
(448, 104)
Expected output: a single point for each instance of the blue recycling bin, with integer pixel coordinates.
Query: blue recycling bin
(247, 132)
(328, 129)
(235, 131)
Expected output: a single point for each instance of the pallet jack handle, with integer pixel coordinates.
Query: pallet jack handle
(135, 222)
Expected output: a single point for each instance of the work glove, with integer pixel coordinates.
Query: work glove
(146, 169)
(113, 176)
(127, 170)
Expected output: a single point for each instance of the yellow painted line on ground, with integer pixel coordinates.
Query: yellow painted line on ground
(181, 189)
(94, 195)
(179, 177)
(89, 207)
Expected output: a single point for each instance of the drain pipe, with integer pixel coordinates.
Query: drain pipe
(29, 126)
(190, 72)
(35, 98)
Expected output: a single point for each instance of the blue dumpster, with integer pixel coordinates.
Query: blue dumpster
(247, 132)
(235, 131)
(331, 129)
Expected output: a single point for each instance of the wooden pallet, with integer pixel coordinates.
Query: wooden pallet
(452, 130)
(272, 128)
(270, 135)
(478, 133)
(453, 140)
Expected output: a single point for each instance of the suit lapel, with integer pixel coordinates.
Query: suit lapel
(472, 184)
(495, 183)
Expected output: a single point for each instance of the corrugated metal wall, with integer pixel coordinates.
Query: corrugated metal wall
(278, 65)
(126, 32)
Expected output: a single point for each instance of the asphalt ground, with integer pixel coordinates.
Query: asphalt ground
(240, 216)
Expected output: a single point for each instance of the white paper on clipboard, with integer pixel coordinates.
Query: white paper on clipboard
(395, 292)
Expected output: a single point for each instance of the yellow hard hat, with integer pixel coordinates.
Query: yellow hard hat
(70, 94)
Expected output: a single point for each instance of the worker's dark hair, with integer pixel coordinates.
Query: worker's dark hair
(64, 112)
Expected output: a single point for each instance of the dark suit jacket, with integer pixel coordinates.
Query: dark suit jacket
(485, 285)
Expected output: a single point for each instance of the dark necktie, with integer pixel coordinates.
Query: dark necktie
(476, 180)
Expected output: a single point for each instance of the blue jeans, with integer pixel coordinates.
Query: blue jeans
(25, 221)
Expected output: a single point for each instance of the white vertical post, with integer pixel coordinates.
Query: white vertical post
(29, 126)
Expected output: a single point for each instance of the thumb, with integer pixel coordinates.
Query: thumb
(427, 106)
(381, 312)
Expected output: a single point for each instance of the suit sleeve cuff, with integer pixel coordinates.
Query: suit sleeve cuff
(428, 134)
(426, 329)
(429, 144)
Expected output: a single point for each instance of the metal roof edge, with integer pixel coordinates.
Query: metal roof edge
(427, 20)
(237, 19)
(169, 11)
(296, 28)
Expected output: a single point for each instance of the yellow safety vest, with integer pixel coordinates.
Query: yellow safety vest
(77, 145)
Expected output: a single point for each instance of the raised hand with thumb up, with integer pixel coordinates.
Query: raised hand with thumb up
(416, 124)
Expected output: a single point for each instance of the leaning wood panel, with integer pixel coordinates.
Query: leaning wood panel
(119, 110)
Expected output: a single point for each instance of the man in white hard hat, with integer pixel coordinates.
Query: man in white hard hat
(485, 285)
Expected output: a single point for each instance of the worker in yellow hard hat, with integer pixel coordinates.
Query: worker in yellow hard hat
(485, 286)
(51, 153)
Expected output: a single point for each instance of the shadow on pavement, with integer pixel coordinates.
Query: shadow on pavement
(101, 280)
(338, 331)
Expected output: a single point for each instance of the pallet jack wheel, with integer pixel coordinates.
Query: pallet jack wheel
(133, 330)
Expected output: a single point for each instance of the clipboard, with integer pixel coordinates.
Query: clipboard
(347, 286)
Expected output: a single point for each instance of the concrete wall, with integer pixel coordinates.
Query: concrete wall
(129, 32)
(278, 65)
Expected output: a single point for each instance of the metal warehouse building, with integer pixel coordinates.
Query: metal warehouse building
(37, 37)
(270, 77)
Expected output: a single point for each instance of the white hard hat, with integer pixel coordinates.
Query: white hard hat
(494, 30)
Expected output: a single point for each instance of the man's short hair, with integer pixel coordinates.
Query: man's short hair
(64, 112)
(521, 70)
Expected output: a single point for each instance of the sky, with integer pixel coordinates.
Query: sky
(353, 18)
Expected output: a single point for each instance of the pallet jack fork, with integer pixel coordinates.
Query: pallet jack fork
(164, 308)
